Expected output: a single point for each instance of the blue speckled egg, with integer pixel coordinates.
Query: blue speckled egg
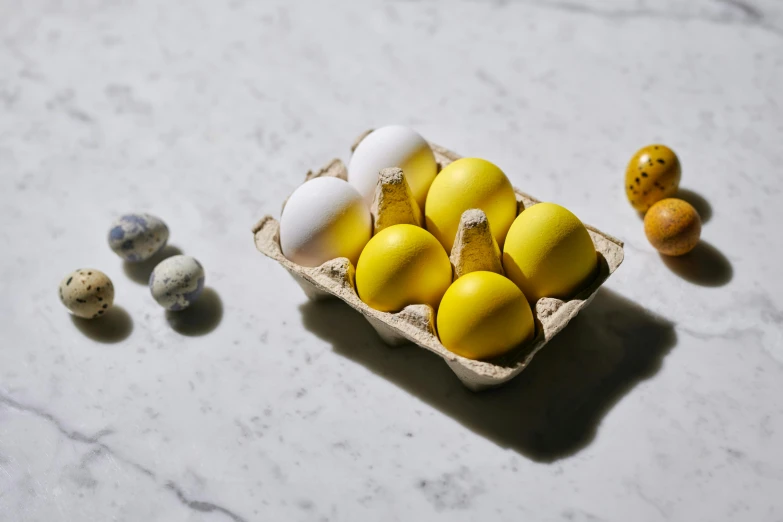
(176, 282)
(138, 237)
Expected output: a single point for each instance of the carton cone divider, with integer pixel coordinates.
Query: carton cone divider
(393, 203)
(475, 249)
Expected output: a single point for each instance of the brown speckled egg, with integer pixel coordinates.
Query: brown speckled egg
(652, 174)
(672, 226)
(87, 293)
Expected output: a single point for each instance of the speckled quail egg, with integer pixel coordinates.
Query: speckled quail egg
(652, 174)
(177, 282)
(87, 293)
(673, 227)
(138, 237)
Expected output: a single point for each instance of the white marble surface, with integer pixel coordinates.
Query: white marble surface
(663, 401)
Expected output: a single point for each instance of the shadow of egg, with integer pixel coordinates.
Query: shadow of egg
(114, 326)
(140, 272)
(200, 318)
(705, 265)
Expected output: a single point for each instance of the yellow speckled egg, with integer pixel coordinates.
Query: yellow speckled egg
(549, 253)
(672, 226)
(484, 315)
(652, 174)
(466, 184)
(400, 266)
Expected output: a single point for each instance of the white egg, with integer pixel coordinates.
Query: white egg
(393, 146)
(324, 218)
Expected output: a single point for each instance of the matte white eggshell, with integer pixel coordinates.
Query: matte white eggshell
(324, 218)
(393, 146)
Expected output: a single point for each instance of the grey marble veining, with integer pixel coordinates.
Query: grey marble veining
(661, 402)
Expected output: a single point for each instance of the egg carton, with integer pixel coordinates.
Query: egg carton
(474, 249)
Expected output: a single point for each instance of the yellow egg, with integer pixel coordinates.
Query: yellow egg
(465, 184)
(549, 253)
(673, 227)
(400, 266)
(484, 315)
(652, 174)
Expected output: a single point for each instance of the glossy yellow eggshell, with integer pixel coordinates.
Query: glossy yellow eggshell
(400, 266)
(672, 226)
(652, 174)
(549, 253)
(465, 184)
(484, 315)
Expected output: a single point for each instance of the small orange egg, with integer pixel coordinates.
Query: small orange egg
(672, 226)
(652, 174)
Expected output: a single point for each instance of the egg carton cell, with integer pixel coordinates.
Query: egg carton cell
(472, 251)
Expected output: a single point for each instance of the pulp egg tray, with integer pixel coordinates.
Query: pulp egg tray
(473, 250)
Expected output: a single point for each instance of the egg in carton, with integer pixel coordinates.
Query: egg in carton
(473, 250)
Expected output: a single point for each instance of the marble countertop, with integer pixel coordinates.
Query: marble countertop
(662, 401)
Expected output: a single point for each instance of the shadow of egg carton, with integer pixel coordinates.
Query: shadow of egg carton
(474, 249)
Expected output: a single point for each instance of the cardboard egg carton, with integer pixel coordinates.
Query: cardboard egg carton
(474, 249)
